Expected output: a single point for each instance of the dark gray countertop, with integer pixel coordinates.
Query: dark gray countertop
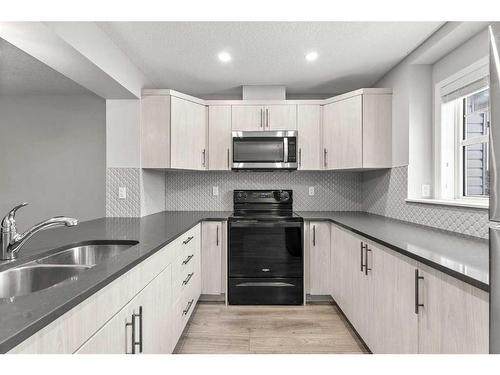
(23, 316)
(464, 257)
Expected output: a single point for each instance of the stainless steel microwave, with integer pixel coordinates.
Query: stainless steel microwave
(264, 150)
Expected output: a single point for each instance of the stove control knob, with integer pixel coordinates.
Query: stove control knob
(242, 195)
(284, 196)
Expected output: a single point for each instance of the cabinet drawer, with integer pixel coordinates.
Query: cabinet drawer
(182, 312)
(184, 276)
(188, 243)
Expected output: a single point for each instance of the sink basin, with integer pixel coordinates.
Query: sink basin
(64, 265)
(88, 254)
(30, 278)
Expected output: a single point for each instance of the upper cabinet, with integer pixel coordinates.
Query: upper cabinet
(173, 133)
(357, 130)
(261, 118)
(350, 131)
(219, 137)
(309, 140)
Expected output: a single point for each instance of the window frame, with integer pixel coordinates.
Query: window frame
(476, 71)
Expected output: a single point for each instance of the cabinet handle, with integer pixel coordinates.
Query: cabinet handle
(367, 249)
(417, 279)
(188, 307)
(267, 117)
(132, 325)
(189, 276)
(261, 118)
(228, 162)
(300, 157)
(314, 235)
(204, 154)
(187, 240)
(217, 236)
(140, 329)
(325, 154)
(186, 261)
(363, 246)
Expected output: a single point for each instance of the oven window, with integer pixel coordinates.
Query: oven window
(265, 252)
(258, 150)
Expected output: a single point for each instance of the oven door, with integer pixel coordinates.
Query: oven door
(265, 249)
(264, 150)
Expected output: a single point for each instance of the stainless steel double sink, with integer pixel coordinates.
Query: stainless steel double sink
(63, 265)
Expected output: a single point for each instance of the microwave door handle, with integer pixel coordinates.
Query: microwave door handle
(285, 150)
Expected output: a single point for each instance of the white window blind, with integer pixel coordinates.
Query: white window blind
(465, 90)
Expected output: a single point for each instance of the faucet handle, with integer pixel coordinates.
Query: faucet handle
(8, 220)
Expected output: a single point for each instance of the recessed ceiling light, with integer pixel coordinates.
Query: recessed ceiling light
(312, 56)
(224, 57)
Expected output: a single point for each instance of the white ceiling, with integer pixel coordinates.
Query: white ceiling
(22, 74)
(183, 55)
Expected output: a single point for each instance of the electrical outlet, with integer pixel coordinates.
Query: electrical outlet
(215, 190)
(122, 192)
(311, 190)
(426, 191)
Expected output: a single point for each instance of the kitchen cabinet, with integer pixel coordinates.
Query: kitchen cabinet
(376, 289)
(261, 118)
(454, 318)
(173, 133)
(219, 138)
(213, 234)
(148, 314)
(319, 258)
(247, 118)
(188, 135)
(164, 284)
(357, 131)
(309, 138)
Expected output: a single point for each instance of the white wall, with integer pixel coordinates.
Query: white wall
(53, 156)
(123, 133)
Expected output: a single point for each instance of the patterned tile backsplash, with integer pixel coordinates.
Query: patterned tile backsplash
(334, 191)
(130, 179)
(380, 192)
(384, 193)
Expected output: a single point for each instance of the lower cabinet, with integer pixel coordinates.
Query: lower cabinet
(142, 326)
(319, 257)
(143, 311)
(398, 305)
(213, 259)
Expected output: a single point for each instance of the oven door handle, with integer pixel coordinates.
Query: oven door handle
(253, 224)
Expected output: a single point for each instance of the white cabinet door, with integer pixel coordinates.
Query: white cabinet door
(156, 302)
(113, 338)
(309, 137)
(319, 258)
(377, 131)
(219, 137)
(247, 117)
(454, 318)
(393, 324)
(211, 257)
(188, 135)
(151, 308)
(281, 117)
(344, 122)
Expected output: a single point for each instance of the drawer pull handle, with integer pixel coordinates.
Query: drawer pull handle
(187, 240)
(188, 307)
(186, 261)
(188, 278)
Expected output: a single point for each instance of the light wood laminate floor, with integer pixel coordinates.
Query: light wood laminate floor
(220, 329)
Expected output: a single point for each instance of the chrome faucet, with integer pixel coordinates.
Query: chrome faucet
(13, 241)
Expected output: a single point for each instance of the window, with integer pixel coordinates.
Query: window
(474, 145)
(462, 159)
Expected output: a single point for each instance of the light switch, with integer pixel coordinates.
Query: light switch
(122, 192)
(311, 190)
(215, 190)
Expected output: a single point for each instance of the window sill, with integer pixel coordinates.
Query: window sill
(481, 204)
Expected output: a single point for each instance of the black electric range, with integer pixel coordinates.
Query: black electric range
(266, 255)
